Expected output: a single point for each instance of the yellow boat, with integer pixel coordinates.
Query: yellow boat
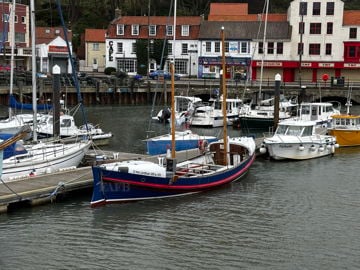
(346, 129)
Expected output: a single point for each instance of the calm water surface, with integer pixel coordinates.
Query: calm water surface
(282, 215)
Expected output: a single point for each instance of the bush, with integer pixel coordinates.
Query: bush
(109, 70)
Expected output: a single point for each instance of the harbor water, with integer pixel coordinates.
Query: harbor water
(281, 215)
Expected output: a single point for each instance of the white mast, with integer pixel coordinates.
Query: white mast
(33, 64)
(172, 70)
(12, 44)
(264, 40)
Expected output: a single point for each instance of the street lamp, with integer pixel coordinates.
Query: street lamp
(277, 99)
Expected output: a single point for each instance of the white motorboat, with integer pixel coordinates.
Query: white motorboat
(298, 140)
(212, 115)
(262, 116)
(184, 108)
(68, 128)
(320, 112)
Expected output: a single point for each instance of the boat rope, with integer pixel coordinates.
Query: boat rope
(61, 186)
(9, 188)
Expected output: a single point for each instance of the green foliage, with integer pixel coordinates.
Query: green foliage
(156, 52)
(110, 70)
(141, 55)
(160, 51)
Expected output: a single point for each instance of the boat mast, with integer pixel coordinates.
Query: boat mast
(224, 94)
(12, 44)
(263, 48)
(33, 66)
(172, 70)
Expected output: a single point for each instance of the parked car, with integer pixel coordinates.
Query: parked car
(161, 73)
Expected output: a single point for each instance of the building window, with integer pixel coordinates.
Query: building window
(328, 48)
(303, 8)
(301, 28)
(170, 49)
(244, 47)
(119, 47)
(208, 46)
(5, 17)
(330, 7)
(314, 49)
(126, 65)
(184, 48)
(279, 48)
(217, 47)
(95, 61)
(16, 19)
(315, 28)
(185, 30)
(169, 30)
(95, 46)
(23, 18)
(133, 47)
(270, 48)
(300, 48)
(329, 28)
(261, 48)
(120, 29)
(135, 29)
(181, 66)
(152, 30)
(19, 37)
(226, 46)
(316, 8)
(353, 33)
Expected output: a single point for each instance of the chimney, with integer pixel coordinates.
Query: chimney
(117, 13)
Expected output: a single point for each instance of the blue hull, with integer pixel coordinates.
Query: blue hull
(160, 147)
(116, 186)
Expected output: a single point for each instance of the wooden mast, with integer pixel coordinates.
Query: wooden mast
(224, 94)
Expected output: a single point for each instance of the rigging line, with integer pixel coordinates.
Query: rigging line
(76, 81)
(9, 188)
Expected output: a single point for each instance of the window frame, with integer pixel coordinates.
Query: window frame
(135, 29)
(329, 28)
(315, 28)
(185, 30)
(330, 8)
(316, 10)
(120, 29)
(314, 49)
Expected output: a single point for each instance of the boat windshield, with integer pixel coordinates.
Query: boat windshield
(294, 130)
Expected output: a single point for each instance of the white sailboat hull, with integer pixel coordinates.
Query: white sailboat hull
(44, 158)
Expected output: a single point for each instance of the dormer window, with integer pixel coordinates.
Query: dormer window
(152, 30)
(120, 29)
(135, 29)
(185, 30)
(169, 30)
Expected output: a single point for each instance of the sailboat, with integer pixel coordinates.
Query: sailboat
(38, 157)
(222, 162)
